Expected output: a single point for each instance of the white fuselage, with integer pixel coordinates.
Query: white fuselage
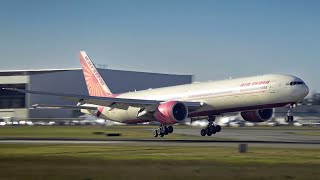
(218, 97)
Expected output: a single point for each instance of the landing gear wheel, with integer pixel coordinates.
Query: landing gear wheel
(170, 129)
(161, 134)
(218, 128)
(203, 132)
(155, 133)
(166, 132)
(288, 118)
(212, 129)
(208, 131)
(291, 118)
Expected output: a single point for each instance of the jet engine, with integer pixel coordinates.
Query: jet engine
(260, 115)
(171, 112)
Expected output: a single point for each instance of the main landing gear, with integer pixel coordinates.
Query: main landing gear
(211, 128)
(162, 131)
(289, 118)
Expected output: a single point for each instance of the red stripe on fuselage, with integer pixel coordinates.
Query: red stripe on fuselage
(100, 110)
(133, 121)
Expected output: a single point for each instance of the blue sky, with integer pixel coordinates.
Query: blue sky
(209, 39)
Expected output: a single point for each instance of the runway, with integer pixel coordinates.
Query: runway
(228, 137)
(263, 134)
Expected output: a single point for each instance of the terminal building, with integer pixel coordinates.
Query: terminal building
(70, 81)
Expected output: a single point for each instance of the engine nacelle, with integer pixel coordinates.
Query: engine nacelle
(171, 112)
(260, 115)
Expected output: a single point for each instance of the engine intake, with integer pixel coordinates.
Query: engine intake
(260, 115)
(171, 112)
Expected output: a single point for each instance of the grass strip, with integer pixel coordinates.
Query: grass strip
(88, 162)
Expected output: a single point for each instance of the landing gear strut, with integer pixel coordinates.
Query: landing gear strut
(289, 117)
(211, 128)
(162, 131)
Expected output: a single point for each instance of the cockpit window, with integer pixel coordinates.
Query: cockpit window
(295, 83)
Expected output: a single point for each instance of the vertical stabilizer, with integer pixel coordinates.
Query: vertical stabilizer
(95, 84)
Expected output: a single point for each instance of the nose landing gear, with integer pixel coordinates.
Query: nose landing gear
(211, 128)
(289, 117)
(162, 131)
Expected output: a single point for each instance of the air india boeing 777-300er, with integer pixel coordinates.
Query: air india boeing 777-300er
(255, 97)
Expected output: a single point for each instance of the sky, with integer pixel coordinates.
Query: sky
(210, 39)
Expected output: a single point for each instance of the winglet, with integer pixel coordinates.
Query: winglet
(95, 84)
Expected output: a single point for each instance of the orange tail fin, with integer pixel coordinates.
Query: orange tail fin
(95, 84)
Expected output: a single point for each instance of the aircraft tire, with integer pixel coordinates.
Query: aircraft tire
(207, 129)
(218, 128)
(286, 119)
(203, 132)
(166, 131)
(155, 133)
(212, 130)
(161, 134)
(159, 130)
(291, 118)
(170, 129)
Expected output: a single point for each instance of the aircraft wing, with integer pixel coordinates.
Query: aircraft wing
(50, 106)
(112, 102)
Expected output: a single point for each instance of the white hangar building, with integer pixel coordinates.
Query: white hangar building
(70, 81)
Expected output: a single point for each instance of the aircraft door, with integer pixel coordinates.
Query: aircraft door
(272, 89)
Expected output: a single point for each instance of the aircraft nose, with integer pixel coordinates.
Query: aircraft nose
(306, 90)
(299, 92)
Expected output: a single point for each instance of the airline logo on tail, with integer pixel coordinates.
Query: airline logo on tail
(95, 84)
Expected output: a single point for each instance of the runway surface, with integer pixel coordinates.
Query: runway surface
(262, 134)
(227, 137)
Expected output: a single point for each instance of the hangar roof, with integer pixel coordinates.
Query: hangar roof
(41, 71)
(32, 71)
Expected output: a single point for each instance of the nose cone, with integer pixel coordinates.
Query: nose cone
(302, 92)
(299, 92)
(305, 91)
(300, 89)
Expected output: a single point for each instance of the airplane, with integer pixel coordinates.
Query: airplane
(254, 97)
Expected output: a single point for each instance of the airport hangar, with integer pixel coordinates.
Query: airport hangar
(70, 81)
